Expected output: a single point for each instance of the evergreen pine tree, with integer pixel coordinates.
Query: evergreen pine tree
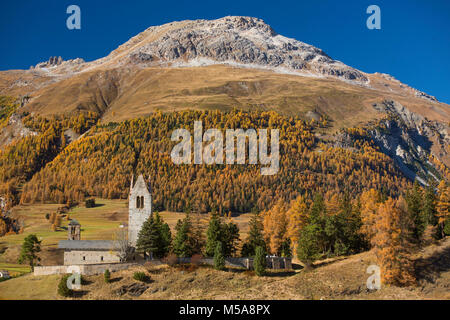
(255, 237)
(429, 204)
(308, 248)
(182, 243)
(219, 259)
(149, 237)
(229, 238)
(164, 236)
(259, 262)
(213, 234)
(414, 203)
(286, 248)
(166, 242)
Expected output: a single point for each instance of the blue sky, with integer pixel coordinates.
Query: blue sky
(413, 44)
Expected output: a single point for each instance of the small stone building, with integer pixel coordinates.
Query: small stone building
(74, 230)
(89, 251)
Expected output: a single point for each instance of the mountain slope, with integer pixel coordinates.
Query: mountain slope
(237, 62)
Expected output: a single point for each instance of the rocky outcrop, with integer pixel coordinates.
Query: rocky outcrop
(134, 290)
(408, 138)
(240, 41)
(51, 62)
(58, 62)
(14, 130)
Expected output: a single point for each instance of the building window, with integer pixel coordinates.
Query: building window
(101, 258)
(140, 202)
(84, 258)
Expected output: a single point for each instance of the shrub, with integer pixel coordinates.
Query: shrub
(447, 227)
(171, 259)
(72, 203)
(107, 276)
(259, 263)
(219, 259)
(89, 203)
(141, 276)
(196, 259)
(63, 290)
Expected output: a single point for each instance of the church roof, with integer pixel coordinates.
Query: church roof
(140, 184)
(74, 222)
(87, 245)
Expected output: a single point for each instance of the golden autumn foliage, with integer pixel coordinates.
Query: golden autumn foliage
(443, 204)
(297, 215)
(3, 227)
(103, 160)
(275, 223)
(392, 243)
(369, 201)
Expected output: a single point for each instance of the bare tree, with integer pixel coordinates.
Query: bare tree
(124, 249)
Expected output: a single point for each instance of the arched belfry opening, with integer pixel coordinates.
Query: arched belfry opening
(140, 202)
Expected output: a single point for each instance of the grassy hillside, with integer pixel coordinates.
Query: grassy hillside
(98, 223)
(132, 92)
(331, 279)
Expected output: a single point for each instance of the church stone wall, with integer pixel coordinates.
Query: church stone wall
(84, 269)
(89, 257)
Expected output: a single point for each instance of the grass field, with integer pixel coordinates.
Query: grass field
(98, 223)
(343, 278)
(29, 287)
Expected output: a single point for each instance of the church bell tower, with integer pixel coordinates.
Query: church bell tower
(139, 207)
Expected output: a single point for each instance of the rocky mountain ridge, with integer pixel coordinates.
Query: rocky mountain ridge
(238, 41)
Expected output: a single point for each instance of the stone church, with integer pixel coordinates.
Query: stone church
(77, 251)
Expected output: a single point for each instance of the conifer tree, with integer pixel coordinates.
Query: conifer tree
(213, 234)
(429, 204)
(164, 236)
(275, 227)
(392, 242)
(308, 248)
(149, 237)
(298, 218)
(30, 247)
(219, 259)
(259, 262)
(414, 202)
(443, 208)
(317, 221)
(230, 238)
(183, 242)
(370, 201)
(255, 237)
